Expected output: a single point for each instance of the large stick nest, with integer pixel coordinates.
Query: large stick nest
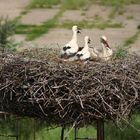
(65, 92)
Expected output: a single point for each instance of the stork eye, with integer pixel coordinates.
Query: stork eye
(89, 41)
(78, 31)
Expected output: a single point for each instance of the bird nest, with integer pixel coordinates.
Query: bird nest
(66, 92)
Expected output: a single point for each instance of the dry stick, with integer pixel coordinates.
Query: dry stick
(81, 103)
(65, 136)
(42, 110)
(53, 79)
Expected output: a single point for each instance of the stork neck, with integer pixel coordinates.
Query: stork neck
(74, 36)
(86, 45)
(104, 48)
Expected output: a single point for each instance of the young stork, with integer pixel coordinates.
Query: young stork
(107, 52)
(71, 48)
(94, 53)
(84, 54)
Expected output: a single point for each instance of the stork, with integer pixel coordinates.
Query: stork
(107, 52)
(71, 48)
(84, 54)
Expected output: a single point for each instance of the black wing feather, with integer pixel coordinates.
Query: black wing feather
(79, 55)
(80, 48)
(66, 47)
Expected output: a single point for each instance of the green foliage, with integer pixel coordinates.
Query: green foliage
(44, 28)
(43, 3)
(74, 4)
(130, 17)
(138, 27)
(120, 53)
(94, 24)
(66, 4)
(124, 131)
(13, 46)
(40, 30)
(26, 129)
(34, 31)
(89, 132)
(118, 2)
(24, 29)
(7, 29)
(132, 39)
(116, 10)
(111, 2)
(77, 4)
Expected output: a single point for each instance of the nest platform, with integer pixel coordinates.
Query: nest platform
(67, 92)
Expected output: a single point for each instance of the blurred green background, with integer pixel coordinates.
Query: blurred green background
(27, 127)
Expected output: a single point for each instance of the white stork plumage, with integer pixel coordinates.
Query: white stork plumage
(71, 48)
(84, 54)
(107, 52)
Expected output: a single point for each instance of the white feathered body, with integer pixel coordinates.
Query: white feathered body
(106, 53)
(85, 54)
(94, 53)
(73, 48)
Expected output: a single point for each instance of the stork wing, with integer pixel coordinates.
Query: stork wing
(66, 47)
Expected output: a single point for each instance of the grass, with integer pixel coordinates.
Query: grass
(43, 3)
(132, 39)
(7, 30)
(24, 29)
(116, 10)
(130, 17)
(94, 24)
(34, 31)
(118, 2)
(113, 12)
(124, 131)
(82, 133)
(67, 4)
(117, 6)
(39, 30)
(74, 4)
(121, 52)
(42, 131)
(77, 4)
(83, 14)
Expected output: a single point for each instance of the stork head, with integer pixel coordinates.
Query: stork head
(75, 28)
(103, 38)
(104, 41)
(87, 39)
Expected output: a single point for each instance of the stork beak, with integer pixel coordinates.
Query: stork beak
(89, 41)
(107, 45)
(78, 30)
